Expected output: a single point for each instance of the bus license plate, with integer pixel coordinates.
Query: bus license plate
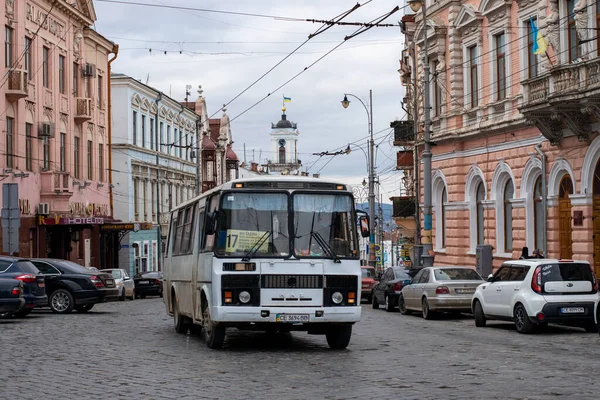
(572, 310)
(294, 318)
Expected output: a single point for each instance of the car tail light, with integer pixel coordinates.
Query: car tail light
(442, 290)
(398, 286)
(594, 281)
(26, 278)
(156, 282)
(96, 281)
(18, 291)
(536, 280)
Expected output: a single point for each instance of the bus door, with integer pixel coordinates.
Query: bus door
(198, 268)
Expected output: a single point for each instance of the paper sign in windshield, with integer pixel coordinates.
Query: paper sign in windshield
(240, 240)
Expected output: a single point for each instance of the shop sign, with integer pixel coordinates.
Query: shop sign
(58, 220)
(126, 227)
(44, 20)
(88, 210)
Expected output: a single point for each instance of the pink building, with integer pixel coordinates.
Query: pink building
(516, 155)
(54, 140)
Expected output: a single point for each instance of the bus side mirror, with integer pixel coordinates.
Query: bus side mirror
(364, 226)
(211, 223)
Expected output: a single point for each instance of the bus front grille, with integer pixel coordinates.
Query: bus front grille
(239, 281)
(291, 281)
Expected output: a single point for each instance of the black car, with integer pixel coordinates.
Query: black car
(71, 286)
(389, 287)
(23, 270)
(11, 296)
(148, 284)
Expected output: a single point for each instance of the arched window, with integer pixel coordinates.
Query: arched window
(282, 154)
(443, 216)
(480, 217)
(538, 213)
(509, 191)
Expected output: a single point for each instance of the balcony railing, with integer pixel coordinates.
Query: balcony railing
(56, 182)
(83, 111)
(403, 206)
(403, 132)
(17, 85)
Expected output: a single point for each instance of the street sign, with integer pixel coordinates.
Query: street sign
(378, 259)
(377, 247)
(11, 218)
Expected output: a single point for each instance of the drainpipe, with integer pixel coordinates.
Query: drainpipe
(115, 50)
(538, 149)
(158, 145)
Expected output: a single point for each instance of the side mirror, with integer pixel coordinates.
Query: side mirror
(490, 278)
(364, 226)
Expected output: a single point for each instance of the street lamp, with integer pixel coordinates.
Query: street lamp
(426, 241)
(345, 104)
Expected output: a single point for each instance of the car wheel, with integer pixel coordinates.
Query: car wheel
(160, 294)
(214, 334)
(338, 337)
(374, 302)
(122, 296)
(61, 301)
(522, 322)
(179, 321)
(479, 315)
(389, 304)
(132, 295)
(590, 328)
(402, 306)
(84, 308)
(22, 313)
(427, 313)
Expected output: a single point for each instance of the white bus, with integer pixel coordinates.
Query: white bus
(276, 254)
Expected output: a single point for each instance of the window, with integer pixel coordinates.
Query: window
(168, 144)
(501, 66)
(437, 91)
(509, 191)
(456, 274)
(425, 277)
(418, 276)
(473, 76)
(28, 147)
(46, 153)
(9, 142)
(282, 155)
(179, 142)
(101, 162)
(145, 199)
(63, 144)
(480, 213)
(538, 214)
(76, 157)
(186, 232)
(152, 133)
(100, 91)
(27, 60)
(46, 67)
(8, 47)
(90, 173)
(503, 274)
(153, 195)
(162, 136)
(532, 59)
(518, 273)
(61, 74)
(443, 216)
(75, 79)
(136, 200)
(143, 131)
(186, 146)
(134, 127)
(574, 45)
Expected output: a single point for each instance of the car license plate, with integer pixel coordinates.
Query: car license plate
(143, 282)
(298, 318)
(572, 310)
(41, 284)
(465, 291)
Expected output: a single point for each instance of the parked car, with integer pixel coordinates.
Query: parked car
(436, 289)
(124, 283)
(70, 286)
(389, 287)
(368, 281)
(538, 292)
(148, 284)
(34, 291)
(11, 296)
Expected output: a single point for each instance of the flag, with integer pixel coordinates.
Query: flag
(287, 99)
(539, 43)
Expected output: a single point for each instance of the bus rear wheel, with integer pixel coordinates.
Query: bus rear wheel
(214, 333)
(338, 337)
(180, 322)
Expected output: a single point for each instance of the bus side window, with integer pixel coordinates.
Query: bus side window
(200, 220)
(171, 236)
(209, 240)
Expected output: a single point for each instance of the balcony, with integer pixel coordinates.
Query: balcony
(403, 132)
(83, 112)
(567, 96)
(17, 85)
(403, 207)
(56, 188)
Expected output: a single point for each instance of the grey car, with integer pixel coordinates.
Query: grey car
(440, 289)
(124, 283)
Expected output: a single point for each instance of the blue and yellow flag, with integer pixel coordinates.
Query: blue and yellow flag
(539, 43)
(287, 99)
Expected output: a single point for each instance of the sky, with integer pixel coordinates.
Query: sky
(226, 53)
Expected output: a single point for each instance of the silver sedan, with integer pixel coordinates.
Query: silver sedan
(436, 289)
(124, 283)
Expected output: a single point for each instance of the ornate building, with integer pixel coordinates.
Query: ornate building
(516, 156)
(284, 139)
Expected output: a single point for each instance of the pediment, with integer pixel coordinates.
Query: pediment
(495, 9)
(468, 16)
(135, 100)
(145, 104)
(86, 8)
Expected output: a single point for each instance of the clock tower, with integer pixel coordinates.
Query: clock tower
(284, 139)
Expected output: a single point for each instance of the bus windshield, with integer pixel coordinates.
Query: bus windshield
(253, 223)
(321, 221)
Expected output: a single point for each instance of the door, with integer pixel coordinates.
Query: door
(511, 288)
(419, 289)
(492, 291)
(596, 219)
(409, 299)
(564, 218)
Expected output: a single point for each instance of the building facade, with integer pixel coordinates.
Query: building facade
(284, 142)
(54, 141)
(516, 155)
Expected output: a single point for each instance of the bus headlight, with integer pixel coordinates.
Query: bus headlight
(337, 297)
(244, 297)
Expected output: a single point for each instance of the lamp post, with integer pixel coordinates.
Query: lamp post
(426, 256)
(345, 104)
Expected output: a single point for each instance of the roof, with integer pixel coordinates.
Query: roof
(215, 126)
(538, 261)
(230, 155)
(284, 122)
(208, 143)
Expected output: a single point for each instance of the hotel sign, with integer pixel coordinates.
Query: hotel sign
(70, 221)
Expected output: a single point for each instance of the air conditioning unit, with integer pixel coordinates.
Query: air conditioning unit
(44, 208)
(89, 70)
(46, 130)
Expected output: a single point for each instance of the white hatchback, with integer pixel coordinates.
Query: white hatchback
(537, 292)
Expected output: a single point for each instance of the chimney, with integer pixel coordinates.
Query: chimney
(254, 167)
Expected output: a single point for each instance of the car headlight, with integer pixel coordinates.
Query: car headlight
(337, 297)
(244, 297)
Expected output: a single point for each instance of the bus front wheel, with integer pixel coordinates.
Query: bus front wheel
(338, 337)
(214, 334)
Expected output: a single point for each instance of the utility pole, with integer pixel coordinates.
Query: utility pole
(198, 125)
(371, 179)
(159, 230)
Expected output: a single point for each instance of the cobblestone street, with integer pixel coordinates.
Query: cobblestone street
(130, 350)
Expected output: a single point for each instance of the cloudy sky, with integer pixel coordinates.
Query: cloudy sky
(226, 53)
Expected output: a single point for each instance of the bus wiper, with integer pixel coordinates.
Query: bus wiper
(250, 253)
(325, 246)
